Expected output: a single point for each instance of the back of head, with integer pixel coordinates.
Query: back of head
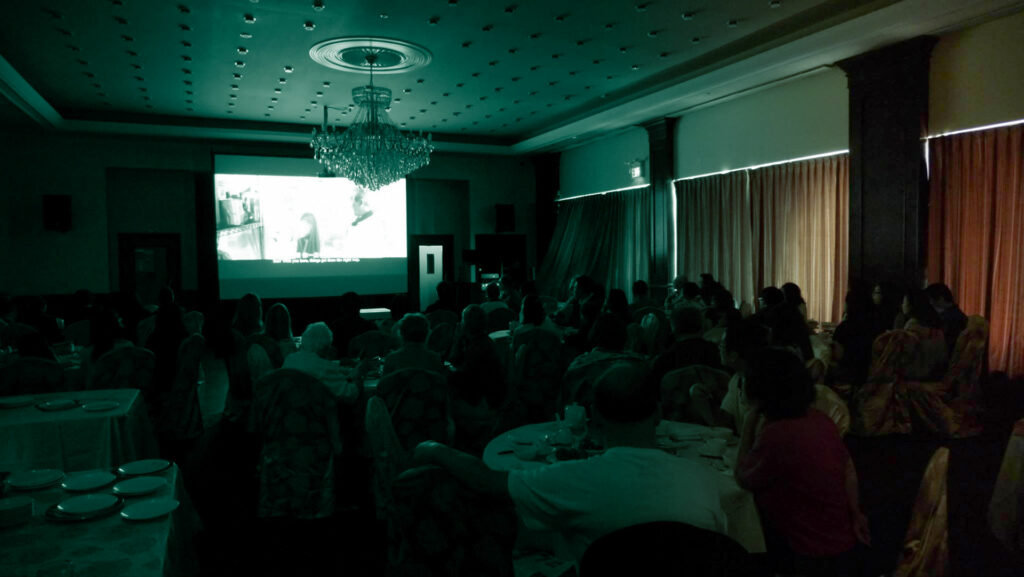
(316, 338)
(624, 394)
(791, 292)
(922, 310)
(414, 328)
(790, 330)
(691, 291)
(104, 327)
(707, 279)
(493, 291)
(445, 291)
(745, 336)
(533, 310)
(166, 297)
(640, 289)
(248, 314)
(474, 321)
(938, 293)
(772, 296)
(686, 321)
(609, 333)
(779, 382)
(679, 282)
(616, 301)
(349, 305)
(398, 306)
(279, 322)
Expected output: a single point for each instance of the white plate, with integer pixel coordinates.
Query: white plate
(96, 406)
(149, 509)
(58, 405)
(85, 504)
(143, 467)
(88, 481)
(15, 402)
(35, 479)
(139, 486)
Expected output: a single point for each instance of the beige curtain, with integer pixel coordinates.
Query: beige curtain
(770, 226)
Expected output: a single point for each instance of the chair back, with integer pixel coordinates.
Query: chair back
(549, 303)
(578, 382)
(642, 312)
(386, 454)
(419, 403)
(967, 365)
(827, 401)
(442, 316)
(124, 368)
(297, 423)
(665, 548)
(30, 375)
(79, 332)
(440, 338)
(926, 543)
(11, 335)
(144, 330)
(537, 371)
(498, 319)
(370, 344)
(891, 355)
(680, 386)
(180, 418)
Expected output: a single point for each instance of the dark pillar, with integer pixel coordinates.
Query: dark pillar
(661, 138)
(546, 173)
(888, 181)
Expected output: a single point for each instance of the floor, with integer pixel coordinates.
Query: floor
(889, 468)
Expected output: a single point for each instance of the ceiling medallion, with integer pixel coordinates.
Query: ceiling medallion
(348, 54)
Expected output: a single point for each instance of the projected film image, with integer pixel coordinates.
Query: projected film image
(292, 219)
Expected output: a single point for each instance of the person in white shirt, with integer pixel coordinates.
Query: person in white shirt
(633, 482)
(316, 342)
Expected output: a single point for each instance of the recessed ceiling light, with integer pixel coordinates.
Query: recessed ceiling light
(318, 5)
(561, 17)
(245, 35)
(249, 19)
(488, 27)
(318, 95)
(688, 16)
(239, 64)
(184, 57)
(185, 27)
(234, 87)
(327, 84)
(775, 3)
(642, 7)
(695, 40)
(434, 20)
(243, 50)
(277, 91)
(237, 76)
(383, 15)
(232, 96)
(635, 67)
(733, 23)
(273, 99)
(609, 26)
(652, 34)
(282, 80)
(308, 25)
(289, 69)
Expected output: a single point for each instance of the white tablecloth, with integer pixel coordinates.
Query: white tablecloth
(1006, 510)
(75, 439)
(108, 546)
(738, 504)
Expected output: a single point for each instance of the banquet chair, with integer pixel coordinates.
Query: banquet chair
(386, 453)
(370, 344)
(926, 543)
(124, 368)
(179, 419)
(879, 406)
(549, 303)
(578, 382)
(441, 316)
(499, 319)
(666, 548)
(79, 332)
(11, 335)
(30, 375)
(419, 403)
(297, 424)
(829, 402)
(441, 337)
(144, 330)
(536, 377)
(642, 312)
(691, 394)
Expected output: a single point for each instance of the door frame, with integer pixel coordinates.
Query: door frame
(447, 243)
(128, 243)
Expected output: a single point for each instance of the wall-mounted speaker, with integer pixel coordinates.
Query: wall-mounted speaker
(57, 212)
(504, 218)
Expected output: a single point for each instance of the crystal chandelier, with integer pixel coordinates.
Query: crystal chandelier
(372, 151)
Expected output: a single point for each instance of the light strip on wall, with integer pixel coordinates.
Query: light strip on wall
(756, 166)
(634, 187)
(976, 129)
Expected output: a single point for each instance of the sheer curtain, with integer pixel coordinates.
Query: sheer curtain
(608, 237)
(769, 226)
(976, 232)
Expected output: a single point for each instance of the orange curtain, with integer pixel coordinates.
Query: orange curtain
(804, 229)
(769, 226)
(976, 232)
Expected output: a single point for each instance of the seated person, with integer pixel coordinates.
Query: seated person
(689, 347)
(413, 330)
(851, 342)
(929, 361)
(475, 358)
(676, 296)
(954, 321)
(580, 290)
(608, 338)
(311, 359)
(641, 297)
(799, 470)
(348, 324)
(617, 304)
(493, 293)
(532, 317)
(446, 294)
(632, 482)
(742, 339)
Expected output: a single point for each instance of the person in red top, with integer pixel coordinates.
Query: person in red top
(801, 474)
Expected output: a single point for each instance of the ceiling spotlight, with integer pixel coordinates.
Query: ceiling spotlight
(289, 69)
(309, 26)
(249, 19)
(641, 7)
(239, 64)
(243, 50)
(695, 40)
(434, 20)
(733, 23)
(318, 5)
(688, 16)
(775, 3)
(245, 35)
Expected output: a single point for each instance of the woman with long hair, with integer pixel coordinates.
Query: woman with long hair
(309, 237)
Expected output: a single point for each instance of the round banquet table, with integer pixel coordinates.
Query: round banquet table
(681, 439)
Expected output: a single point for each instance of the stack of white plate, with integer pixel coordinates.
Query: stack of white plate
(35, 479)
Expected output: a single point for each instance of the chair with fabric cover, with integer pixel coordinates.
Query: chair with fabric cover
(666, 548)
(180, 417)
(441, 528)
(441, 316)
(370, 344)
(124, 368)
(827, 401)
(30, 375)
(549, 303)
(11, 335)
(79, 332)
(536, 376)
(879, 407)
(387, 455)
(926, 544)
(144, 330)
(297, 423)
(503, 346)
(691, 394)
(419, 403)
(441, 337)
(498, 319)
(578, 382)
